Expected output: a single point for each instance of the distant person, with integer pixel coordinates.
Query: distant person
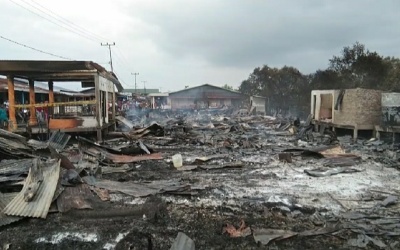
(3, 116)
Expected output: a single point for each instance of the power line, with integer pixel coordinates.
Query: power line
(120, 62)
(38, 50)
(58, 19)
(69, 23)
(87, 34)
(33, 12)
(64, 23)
(121, 55)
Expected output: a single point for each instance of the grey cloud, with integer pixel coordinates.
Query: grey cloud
(250, 33)
(189, 42)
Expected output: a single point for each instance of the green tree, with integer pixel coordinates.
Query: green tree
(355, 67)
(228, 87)
(324, 79)
(358, 67)
(392, 80)
(284, 87)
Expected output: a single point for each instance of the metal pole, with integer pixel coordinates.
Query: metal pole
(109, 48)
(144, 86)
(135, 74)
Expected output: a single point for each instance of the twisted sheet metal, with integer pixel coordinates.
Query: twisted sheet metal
(39, 206)
(58, 140)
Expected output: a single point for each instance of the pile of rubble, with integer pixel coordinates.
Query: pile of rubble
(195, 175)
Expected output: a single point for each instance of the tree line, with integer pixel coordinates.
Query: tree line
(289, 90)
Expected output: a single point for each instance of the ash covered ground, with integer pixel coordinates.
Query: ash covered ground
(246, 182)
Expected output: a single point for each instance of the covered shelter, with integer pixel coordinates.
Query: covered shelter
(90, 74)
(160, 101)
(205, 96)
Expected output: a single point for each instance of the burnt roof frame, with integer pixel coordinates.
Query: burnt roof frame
(40, 70)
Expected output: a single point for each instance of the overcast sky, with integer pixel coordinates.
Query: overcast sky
(174, 43)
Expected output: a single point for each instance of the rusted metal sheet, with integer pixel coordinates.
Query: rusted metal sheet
(6, 198)
(103, 194)
(124, 158)
(109, 170)
(40, 204)
(65, 162)
(129, 188)
(154, 129)
(75, 197)
(129, 159)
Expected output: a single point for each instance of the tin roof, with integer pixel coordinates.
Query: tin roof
(81, 71)
(4, 200)
(20, 86)
(142, 91)
(39, 206)
(24, 87)
(205, 85)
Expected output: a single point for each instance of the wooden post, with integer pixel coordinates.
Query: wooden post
(51, 92)
(12, 124)
(355, 133)
(98, 107)
(32, 110)
(113, 105)
(51, 98)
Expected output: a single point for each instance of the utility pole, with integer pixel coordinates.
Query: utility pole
(144, 86)
(135, 74)
(109, 47)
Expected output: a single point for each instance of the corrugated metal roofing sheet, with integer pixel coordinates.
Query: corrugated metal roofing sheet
(12, 167)
(21, 86)
(11, 178)
(13, 144)
(37, 144)
(39, 206)
(136, 189)
(58, 140)
(75, 197)
(6, 198)
(11, 135)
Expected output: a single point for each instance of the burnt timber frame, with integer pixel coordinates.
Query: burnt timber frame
(90, 74)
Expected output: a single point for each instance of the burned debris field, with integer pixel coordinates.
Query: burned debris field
(199, 180)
